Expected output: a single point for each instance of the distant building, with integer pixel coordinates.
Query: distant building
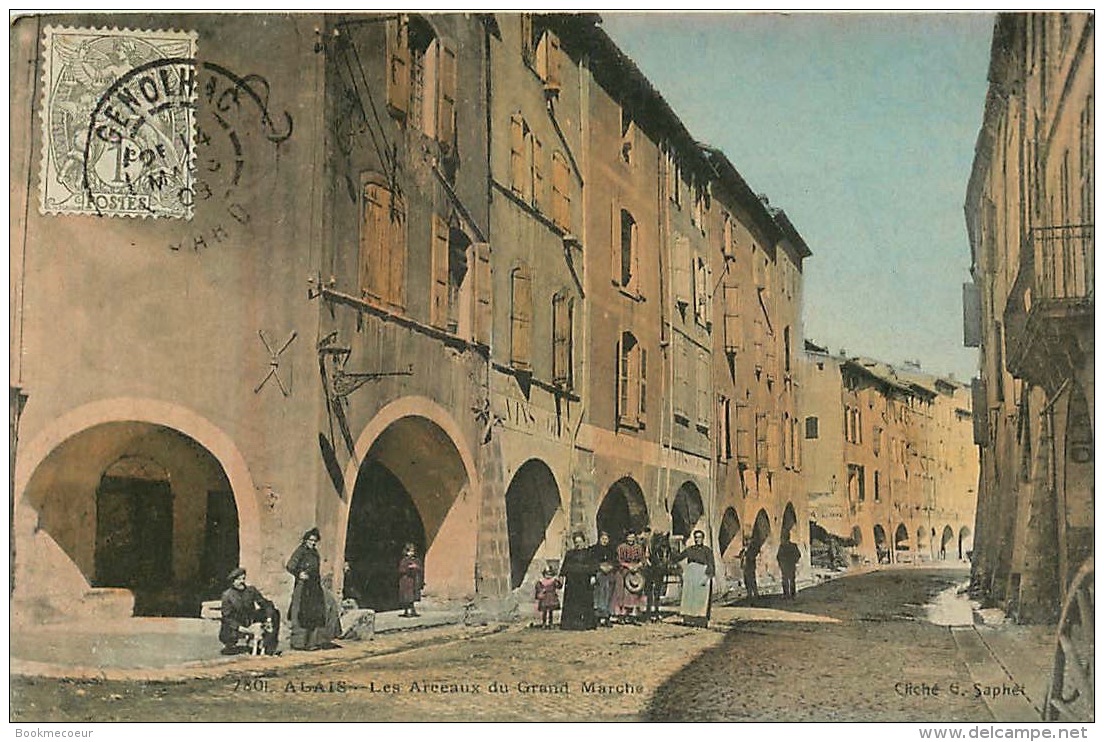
(890, 468)
(1030, 308)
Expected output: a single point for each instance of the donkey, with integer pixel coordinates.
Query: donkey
(657, 566)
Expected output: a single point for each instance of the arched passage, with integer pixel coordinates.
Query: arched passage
(856, 536)
(730, 529)
(412, 487)
(945, 541)
(965, 542)
(761, 530)
(137, 506)
(622, 509)
(687, 510)
(881, 548)
(901, 538)
(532, 501)
(923, 542)
(789, 520)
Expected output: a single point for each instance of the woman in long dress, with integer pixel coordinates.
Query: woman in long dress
(411, 580)
(578, 570)
(697, 581)
(629, 599)
(604, 558)
(307, 614)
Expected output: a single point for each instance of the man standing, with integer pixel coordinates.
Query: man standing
(749, 562)
(788, 557)
(243, 605)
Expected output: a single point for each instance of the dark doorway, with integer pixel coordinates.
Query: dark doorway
(686, 511)
(531, 502)
(965, 543)
(900, 538)
(134, 534)
(730, 529)
(382, 519)
(220, 542)
(947, 538)
(789, 520)
(761, 531)
(622, 509)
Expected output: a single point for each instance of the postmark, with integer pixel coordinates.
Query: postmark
(118, 117)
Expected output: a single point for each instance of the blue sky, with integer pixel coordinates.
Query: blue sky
(862, 127)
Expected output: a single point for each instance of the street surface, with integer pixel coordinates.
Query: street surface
(856, 649)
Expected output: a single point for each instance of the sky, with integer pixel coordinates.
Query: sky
(862, 127)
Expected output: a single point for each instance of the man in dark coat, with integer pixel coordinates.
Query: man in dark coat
(243, 605)
(788, 557)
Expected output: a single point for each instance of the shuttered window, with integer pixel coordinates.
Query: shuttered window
(398, 56)
(632, 382)
(446, 94)
(439, 293)
(733, 329)
(561, 193)
(548, 60)
(481, 320)
(517, 155)
(562, 332)
(744, 450)
(382, 253)
(521, 318)
(704, 391)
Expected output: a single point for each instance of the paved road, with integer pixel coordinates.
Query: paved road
(847, 650)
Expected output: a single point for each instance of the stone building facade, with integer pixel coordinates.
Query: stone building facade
(1030, 307)
(446, 279)
(890, 467)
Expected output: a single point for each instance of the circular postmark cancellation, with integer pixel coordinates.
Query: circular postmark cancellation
(119, 122)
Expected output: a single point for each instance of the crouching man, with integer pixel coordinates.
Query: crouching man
(243, 606)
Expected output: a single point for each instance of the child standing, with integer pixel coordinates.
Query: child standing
(411, 581)
(547, 595)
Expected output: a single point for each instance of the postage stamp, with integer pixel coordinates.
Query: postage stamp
(118, 118)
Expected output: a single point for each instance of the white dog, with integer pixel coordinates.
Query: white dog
(258, 634)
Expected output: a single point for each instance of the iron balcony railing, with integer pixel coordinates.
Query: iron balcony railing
(1063, 264)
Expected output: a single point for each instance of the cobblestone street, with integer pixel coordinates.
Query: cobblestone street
(842, 651)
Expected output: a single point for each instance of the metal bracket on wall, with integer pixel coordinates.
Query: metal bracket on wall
(274, 363)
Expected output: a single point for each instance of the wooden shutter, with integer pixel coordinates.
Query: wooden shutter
(733, 329)
(642, 389)
(398, 56)
(707, 305)
(396, 249)
(622, 364)
(446, 94)
(797, 444)
(517, 154)
(552, 81)
(521, 316)
(761, 444)
(539, 198)
(615, 243)
(774, 444)
(744, 448)
(438, 310)
(634, 253)
(726, 244)
(481, 320)
(374, 236)
(682, 378)
(561, 339)
(561, 201)
(683, 265)
(704, 391)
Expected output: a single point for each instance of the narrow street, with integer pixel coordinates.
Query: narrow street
(856, 649)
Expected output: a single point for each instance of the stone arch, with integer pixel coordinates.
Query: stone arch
(622, 509)
(789, 521)
(532, 504)
(945, 539)
(965, 542)
(761, 529)
(881, 545)
(687, 510)
(435, 507)
(901, 538)
(112, 427)
(730, 530)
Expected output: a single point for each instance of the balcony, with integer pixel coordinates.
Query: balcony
(1049, 313)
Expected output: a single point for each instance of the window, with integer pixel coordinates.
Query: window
(812, 428)
(628, 136)
(528, 50)
(382, 271)
(684, 374)
(422, 78)
(724, 428)
(727, 247)
(563, 324)
(526, 163)
(632, 373)
(877, 442)
(786, 341)
(697, 215)
(733, 329)
(481, 309)
(561, 192)
(744, 449)
(877, 486)
(521, 318)
(856, 483)
(548, 61)
(625, 250)
(704, 389)
(702, 288)
(439, 258)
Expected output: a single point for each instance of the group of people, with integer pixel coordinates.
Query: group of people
(314, 614)
(604, 584)
(788, 556)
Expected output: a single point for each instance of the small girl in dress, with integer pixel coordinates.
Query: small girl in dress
(547, 595)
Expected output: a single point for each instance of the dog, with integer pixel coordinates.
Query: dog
(260, 637)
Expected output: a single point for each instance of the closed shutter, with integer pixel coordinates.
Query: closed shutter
(561, 340)
(539, 198)
(744, 449)
(615, 243)
(517, 155)
(707, 307)
(761, 433)
(446, 95)
(398, 55)
(438, 315)
(682, 262)
(374, 229)
(733, 329)
(622, 364)
(704, 392)
(481, 320)
(552, 81)
(642, 390)
(561, 200)
(773, 444)
(396, 249)
(682, 378)
(521, 311)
